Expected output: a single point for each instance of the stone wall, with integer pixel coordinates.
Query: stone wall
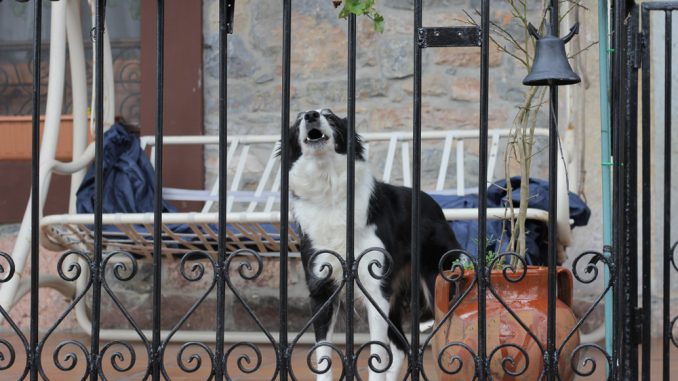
(385, 68)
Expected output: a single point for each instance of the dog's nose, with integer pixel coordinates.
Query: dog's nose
(311, 116)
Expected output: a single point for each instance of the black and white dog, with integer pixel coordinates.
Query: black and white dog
(317, 177)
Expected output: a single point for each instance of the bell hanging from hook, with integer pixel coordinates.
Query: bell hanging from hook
(550, 66)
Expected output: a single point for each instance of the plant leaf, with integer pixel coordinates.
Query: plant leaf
(361, 7)
(378, 22)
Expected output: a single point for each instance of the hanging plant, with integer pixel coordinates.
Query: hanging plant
(359, 8)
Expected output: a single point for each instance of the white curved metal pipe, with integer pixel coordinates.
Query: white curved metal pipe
(76, 52)
(78, 164)
(50, 136)
(109, 85)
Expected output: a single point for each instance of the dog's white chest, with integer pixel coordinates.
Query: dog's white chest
(319, 205)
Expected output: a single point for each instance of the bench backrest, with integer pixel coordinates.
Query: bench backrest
(447, 158)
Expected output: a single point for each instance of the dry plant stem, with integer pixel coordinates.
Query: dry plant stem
(517, 151)
(509, 210)
(521, 144)
(521, 140)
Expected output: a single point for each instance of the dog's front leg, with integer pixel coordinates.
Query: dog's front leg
(323, 326)
(379, 333)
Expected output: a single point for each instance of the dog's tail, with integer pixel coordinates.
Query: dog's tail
(400, 304)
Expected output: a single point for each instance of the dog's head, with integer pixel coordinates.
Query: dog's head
(319, 134)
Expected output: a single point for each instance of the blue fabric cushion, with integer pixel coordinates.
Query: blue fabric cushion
(128, 181)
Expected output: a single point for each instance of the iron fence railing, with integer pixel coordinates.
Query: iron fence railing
(90, 268)
(668, 249)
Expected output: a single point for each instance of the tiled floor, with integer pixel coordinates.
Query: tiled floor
(264, 372)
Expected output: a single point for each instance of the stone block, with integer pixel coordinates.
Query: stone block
(266, 27)
(466, 89)
(396, 58)
(319, 48)
(241, 62)
(240, 98)
(432, 85)
(332, 92)
(369, 87)
(326, 93)
(465, 57)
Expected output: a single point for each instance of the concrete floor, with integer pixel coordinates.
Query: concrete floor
(265, 372)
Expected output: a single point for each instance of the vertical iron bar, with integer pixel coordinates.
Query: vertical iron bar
(157, 210)
(482, 271)
(646, 194)
(551, 361)
(220, 275)
(667, 194)
(350, 200)
(617, 291)
(621, 303)
(631, 178)
(284, 194)
(99, 187)
(35, 192)
(416, 189)
(625, 158)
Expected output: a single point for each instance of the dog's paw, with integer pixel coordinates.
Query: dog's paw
(426, 325)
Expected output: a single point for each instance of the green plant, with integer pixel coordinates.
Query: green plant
(359, 8)
(489, 257)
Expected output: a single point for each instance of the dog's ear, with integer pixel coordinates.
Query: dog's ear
(359, 148)
(292, 139)
(293, 147)
(341, 138)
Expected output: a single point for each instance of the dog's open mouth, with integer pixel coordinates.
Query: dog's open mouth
(315, 136)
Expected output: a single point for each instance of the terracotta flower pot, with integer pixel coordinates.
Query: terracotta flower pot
(528, 300)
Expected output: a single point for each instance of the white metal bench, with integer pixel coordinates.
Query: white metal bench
(252, 211)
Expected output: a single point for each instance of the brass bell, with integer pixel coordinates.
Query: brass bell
(550, 66)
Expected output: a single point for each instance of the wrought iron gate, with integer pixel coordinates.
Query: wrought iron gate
(669, 243)
(632, 52)
(621, 261)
